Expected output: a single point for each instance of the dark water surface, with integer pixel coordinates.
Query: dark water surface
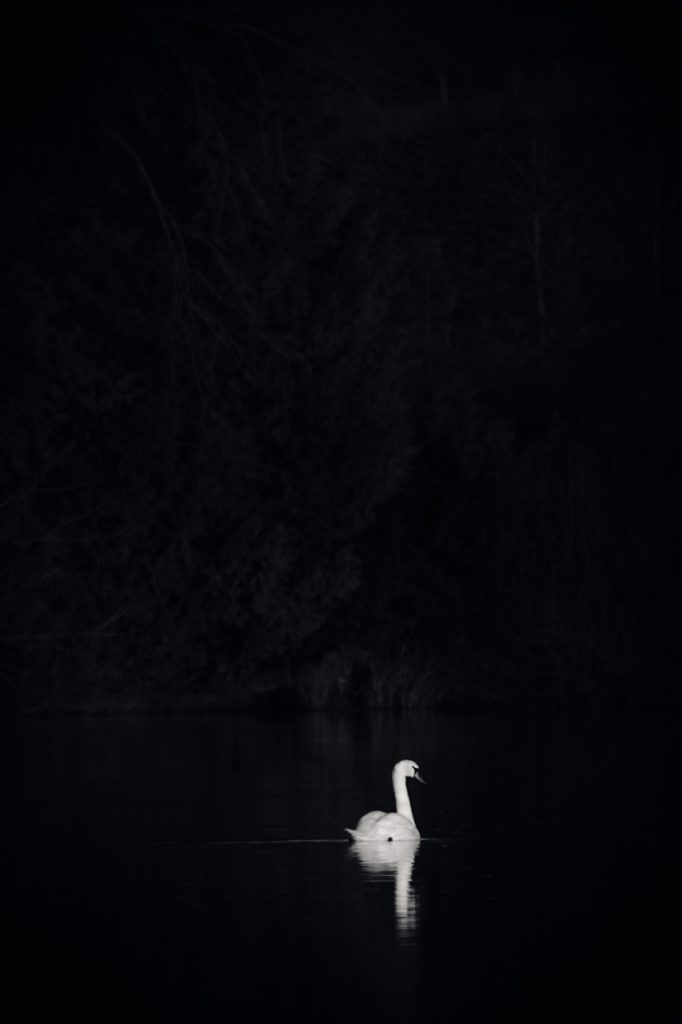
(191, 868)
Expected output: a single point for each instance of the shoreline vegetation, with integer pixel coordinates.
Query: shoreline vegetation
(338, 375)
(397, 691)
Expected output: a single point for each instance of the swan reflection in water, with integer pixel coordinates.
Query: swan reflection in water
(393, 861)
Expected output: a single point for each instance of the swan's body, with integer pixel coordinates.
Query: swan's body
(392, 825)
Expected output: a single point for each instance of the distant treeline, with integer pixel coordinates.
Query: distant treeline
(339, 380)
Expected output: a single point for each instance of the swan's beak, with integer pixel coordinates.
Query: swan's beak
(419, 777)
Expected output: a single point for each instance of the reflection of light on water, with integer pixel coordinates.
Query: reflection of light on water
(394, 860)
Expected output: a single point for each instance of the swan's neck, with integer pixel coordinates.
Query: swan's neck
(402, 800)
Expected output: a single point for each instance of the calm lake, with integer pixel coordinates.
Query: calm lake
(194, 868)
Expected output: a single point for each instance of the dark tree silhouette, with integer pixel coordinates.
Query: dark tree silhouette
(340, 370)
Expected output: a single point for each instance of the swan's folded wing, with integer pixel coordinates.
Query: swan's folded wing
(394, 826)
(366, 827)
(369, 821)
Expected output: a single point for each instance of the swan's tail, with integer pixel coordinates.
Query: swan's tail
(354, 836)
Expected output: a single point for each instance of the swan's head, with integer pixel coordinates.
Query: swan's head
(409, 770)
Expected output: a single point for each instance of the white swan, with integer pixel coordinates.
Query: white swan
(398, 824)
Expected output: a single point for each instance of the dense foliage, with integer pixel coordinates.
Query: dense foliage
(338, 374)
